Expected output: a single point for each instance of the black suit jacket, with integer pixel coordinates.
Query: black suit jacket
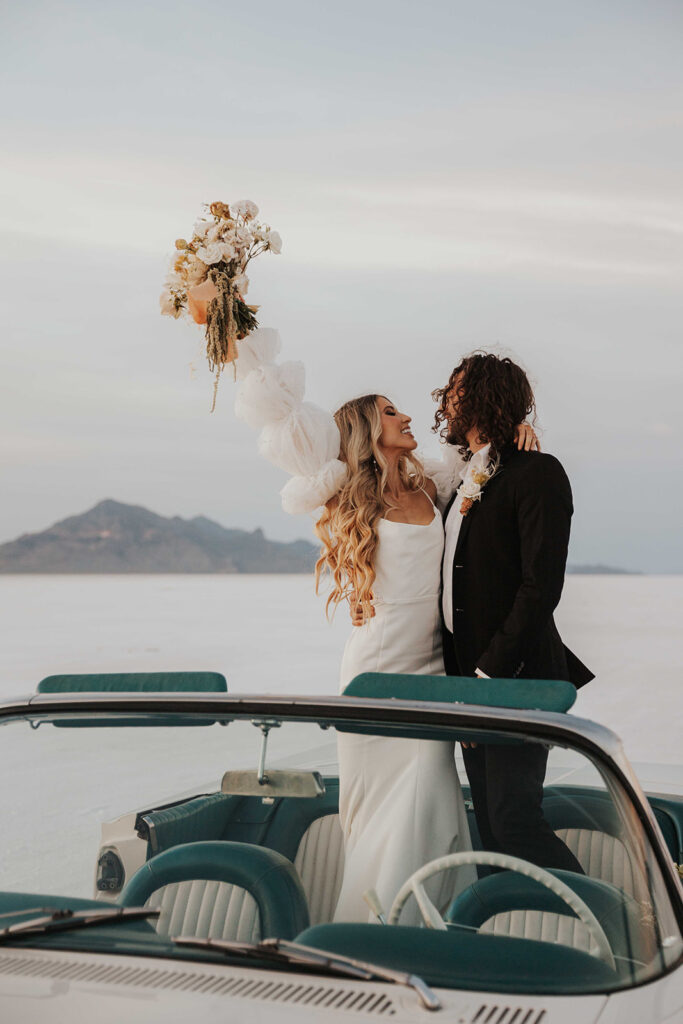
(509, 572)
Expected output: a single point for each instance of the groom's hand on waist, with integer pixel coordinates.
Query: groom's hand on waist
(482, 675)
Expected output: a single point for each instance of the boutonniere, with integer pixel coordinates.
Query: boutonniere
(472, 487)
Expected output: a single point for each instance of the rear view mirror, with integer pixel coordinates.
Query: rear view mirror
(274, 784)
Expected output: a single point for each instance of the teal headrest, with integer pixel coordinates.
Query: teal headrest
(525, 694)
(528, 694)
(135, 682)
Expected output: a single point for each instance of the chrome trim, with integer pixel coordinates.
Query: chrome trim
(152, 832)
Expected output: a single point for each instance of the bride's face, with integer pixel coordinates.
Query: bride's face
(396, 433)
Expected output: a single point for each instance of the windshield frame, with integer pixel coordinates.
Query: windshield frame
(594, 741)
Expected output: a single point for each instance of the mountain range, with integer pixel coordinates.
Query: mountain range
(116, 538)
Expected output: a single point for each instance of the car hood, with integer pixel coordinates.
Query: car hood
(41, 985)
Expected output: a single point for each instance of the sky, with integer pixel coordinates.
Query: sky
(445, 177)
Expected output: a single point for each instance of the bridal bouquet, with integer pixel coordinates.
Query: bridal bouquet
(207, 280)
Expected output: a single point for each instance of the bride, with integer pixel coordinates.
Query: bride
(400, 801)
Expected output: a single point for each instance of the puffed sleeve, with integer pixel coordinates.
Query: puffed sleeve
(295, 435)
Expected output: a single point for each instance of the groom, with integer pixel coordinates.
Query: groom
(507, 532)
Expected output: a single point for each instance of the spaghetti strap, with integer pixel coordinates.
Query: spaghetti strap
(429, 496)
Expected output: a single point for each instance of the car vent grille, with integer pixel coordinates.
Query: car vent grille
(358, 999)
(496, 1014)
(241, 986)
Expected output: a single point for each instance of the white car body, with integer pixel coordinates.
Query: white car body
(63, 985)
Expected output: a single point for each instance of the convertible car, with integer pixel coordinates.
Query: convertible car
(171, 851)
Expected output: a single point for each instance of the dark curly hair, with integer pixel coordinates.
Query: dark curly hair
(492, 394)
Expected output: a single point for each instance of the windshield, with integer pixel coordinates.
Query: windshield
(191, 818)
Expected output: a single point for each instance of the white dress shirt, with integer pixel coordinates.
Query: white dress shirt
(453, 524)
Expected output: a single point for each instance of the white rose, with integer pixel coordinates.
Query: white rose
(195, 271)
(274, 242)
(469, 489)
(174, 280)
(214, 234)
(243, 235)
(244, 208)
(259, 233)
(228, 252)
(201, 227)
(211, 253)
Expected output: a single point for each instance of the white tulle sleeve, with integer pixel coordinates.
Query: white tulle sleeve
(296, 436)
(446, 473)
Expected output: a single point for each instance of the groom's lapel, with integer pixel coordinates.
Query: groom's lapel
(449, 506)
(465, 529)
(506, 454)
(466, 524)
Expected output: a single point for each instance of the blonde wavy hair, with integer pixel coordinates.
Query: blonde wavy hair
(348, 526)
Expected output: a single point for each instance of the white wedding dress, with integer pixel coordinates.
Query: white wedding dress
(400, 801)
(400, 804)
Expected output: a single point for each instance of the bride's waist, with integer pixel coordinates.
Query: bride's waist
(381, 601)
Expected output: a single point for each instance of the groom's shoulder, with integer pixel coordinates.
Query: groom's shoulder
(538, 466)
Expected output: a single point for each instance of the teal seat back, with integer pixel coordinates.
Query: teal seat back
(583, 807)
(202, 818)
(245, 819)
(618, 913)
(293, 817)
(268, 876)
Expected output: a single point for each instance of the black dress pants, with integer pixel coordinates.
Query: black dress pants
(507, 792)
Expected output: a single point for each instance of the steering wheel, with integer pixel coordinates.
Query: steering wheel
(433, 919)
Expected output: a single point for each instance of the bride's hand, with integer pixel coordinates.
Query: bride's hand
(356, 612)
(527, 438)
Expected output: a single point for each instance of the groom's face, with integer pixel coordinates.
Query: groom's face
(453, 399)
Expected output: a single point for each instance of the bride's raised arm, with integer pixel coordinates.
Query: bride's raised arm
(446, 473)
(296, 436)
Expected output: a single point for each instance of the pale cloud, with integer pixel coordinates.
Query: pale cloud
(138, 206)
(660, 430)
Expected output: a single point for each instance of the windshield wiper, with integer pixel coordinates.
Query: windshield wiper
(65, 920)
(281, 951)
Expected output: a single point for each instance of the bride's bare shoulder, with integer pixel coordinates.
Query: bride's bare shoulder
(430, 488)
